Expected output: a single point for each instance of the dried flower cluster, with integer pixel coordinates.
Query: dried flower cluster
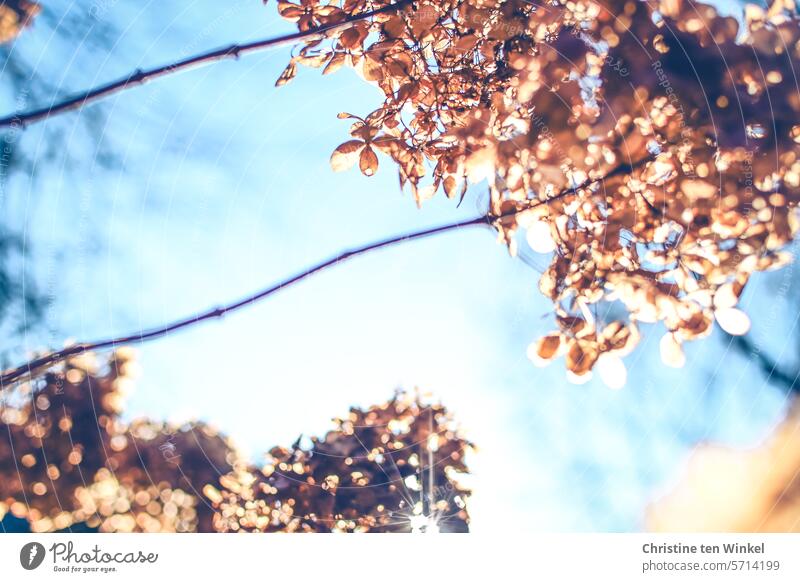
(651, 147)
(67, 458)
(14, 16)
(390, 468)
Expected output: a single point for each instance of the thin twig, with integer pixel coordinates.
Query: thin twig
(769, 367)
(217, 312)
(141, 76)
(46, 360)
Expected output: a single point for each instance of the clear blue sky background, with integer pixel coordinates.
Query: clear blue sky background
(223, 186)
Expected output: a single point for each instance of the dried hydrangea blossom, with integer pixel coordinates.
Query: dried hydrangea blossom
(14, 16)
(65, 455)
(389, 468)
(652, 147)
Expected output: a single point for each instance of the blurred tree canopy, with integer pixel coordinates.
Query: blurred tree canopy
(67, 460)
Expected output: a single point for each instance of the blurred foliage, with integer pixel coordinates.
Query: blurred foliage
(66, 457)
(67, 460)
(753, 489)
(724, 489)
(27, 83)
(14, 16)
(19, 303)
(390, 468)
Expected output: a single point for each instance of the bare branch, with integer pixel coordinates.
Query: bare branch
(46, 360)
(774, 373)
(140, 76)
(217, 312)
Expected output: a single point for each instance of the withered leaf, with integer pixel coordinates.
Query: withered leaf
(344, 157)
(368, 162)
(287, 75)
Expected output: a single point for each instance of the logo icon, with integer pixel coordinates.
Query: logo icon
(31, 555)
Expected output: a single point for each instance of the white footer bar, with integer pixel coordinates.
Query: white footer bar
(388, 557)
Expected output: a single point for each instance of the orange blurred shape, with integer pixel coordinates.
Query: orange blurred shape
(725, 489)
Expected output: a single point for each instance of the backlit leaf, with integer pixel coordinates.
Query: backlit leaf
(344, 157)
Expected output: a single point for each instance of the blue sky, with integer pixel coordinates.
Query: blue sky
(223, 187)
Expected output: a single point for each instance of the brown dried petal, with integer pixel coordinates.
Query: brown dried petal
(345, 156)
(368, 162)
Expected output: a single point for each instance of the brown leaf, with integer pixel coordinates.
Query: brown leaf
(289, 11)
(345, 156)
(385, 143)
(548, 346)
(336, 63)
(368, 162)
(287, 75)
(580, 358)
